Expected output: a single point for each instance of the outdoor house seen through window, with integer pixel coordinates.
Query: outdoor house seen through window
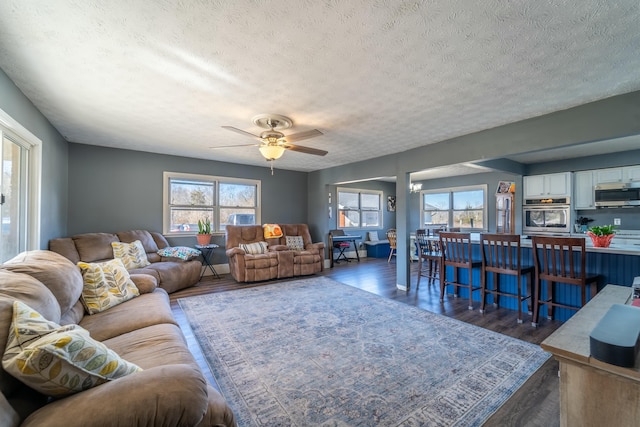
(221, 200)
(359, 208)
(462, 207)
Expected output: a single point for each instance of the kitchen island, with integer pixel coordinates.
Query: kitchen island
(592, 392)
(617, 264)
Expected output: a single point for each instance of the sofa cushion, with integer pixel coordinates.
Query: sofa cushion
(53, 270)
(94, 246)
(183, 252)
(106, 285)
(56, 360)
(295, 243)
(146, 310)
(132, 254)
(22, 287)
(254, 248)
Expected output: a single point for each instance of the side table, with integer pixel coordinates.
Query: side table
(207, 256)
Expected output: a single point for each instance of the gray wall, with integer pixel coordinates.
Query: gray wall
(54, 159)
(113, 190)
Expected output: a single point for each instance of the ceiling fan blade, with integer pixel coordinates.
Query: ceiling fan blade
(306, 150)
(236, 145)
(303, 135)
(240, 131)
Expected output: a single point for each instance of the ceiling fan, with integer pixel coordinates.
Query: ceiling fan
(273, 143)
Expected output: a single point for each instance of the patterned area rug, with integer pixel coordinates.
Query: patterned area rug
(317, 352)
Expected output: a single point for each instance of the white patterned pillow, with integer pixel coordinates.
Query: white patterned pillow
(254, 248)
(58, 360)
(295, 243)
(105, 285)
(132, 254)
(182, 252)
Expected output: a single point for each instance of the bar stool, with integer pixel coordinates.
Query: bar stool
(501, 255)
(456, 253)
(429, 257)
(556, 261)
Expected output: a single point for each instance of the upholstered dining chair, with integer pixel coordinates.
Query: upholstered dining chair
(392, 237)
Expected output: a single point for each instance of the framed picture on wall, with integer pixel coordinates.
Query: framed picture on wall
(391, 203)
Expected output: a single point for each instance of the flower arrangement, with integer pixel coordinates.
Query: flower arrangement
(601, 235)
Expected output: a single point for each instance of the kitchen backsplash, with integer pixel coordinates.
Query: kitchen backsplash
(629, 217)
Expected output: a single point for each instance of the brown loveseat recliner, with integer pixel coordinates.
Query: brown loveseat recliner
(172, 274)
(279, 261)
(171, 390)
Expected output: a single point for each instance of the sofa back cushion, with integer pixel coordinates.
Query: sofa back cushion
(65, 247)
(146, 238)
(94, 247)
(237, 234)
(301, 230)
(54, 271)
(22, 287)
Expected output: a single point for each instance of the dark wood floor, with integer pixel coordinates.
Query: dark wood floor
(536, 403)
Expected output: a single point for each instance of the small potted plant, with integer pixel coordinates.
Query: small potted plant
(601, 235)
(204, 232)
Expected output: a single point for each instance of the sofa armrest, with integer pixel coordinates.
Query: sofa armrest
(316, 246)
(145, 283)
(168, 395)
(234, 251)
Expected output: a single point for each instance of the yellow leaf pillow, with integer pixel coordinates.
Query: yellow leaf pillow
(132, 254)
(105, 285)
(58, 360)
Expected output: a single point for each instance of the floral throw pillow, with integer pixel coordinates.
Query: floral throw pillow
(182, 252)
(295, 243)
(132, 254)
(58, 360)
(105, 285)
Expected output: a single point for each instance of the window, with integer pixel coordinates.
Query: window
(189, 198)
(359, 208)
(462, 207)
(19, 187)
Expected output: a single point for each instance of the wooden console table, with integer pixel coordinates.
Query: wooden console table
(594, 393)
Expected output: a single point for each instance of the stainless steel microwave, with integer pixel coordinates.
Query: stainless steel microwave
(617, 194)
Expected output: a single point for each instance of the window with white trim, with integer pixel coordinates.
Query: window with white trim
(189, 198)
(359, 208)
(463, 207)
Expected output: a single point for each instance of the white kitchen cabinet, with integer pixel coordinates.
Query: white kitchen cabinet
(583, 195)
(550, 185)
(631, 173)
(602, 176)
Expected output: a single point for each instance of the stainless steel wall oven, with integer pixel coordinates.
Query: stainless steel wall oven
(547, 216)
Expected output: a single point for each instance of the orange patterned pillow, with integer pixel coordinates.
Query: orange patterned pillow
(272, 231)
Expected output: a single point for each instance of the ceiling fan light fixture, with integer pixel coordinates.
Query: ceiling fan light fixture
(271, 152)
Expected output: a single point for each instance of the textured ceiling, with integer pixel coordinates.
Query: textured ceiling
(376, 77)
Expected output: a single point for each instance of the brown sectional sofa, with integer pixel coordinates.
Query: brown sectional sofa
(279, 261)
(172, 274)
(170, 391)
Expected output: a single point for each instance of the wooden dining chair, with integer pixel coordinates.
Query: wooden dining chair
(560, 260)
(501, 255)
(392, 237)
(457, 253)
(429, 256)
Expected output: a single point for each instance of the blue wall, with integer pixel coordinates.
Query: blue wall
(54, 190)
